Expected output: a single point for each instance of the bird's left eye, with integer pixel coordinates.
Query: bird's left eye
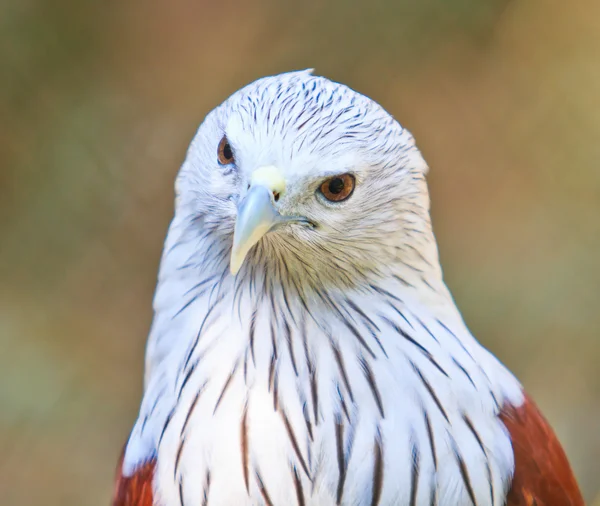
(224, 152)
(338, 188)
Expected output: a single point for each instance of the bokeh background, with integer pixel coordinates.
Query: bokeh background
(99, 100)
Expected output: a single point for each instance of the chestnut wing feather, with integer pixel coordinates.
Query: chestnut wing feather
(135, 490)
(543, 476)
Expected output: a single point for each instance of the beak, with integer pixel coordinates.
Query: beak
(256, 213)
(256, 216)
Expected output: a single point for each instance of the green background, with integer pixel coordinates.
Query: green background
(99, 100)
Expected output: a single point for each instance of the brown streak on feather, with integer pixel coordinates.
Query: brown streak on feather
(415, 469)
(251, 334)
(431, 391)
(488, 468)
(288, 338)
(181, 492)
(271, 371)
(314, 393)
(377, 473)
(246, 367)
(225, 387)
(275, 391)
(465, 372)
(340, 362)
(373, 386)
(433, 497)
(263, 491)
(339, 443)
(298, 485)
(367, 321)
(192, 407)
(356, 334)
(187, 377)
(165, 426)
(464, 473)
(202, 327)
(206, 488)
(294, 442)
(431, 438)
(178, 456)
(273, 339)
(343, 406)
(424, 351)
(244, 444)
(307, 421)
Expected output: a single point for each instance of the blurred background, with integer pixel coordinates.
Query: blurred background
(99, 100)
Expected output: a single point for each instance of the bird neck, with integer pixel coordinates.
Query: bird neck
(301, 367)
(194, 278)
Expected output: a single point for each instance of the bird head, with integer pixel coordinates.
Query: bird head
(300, 177)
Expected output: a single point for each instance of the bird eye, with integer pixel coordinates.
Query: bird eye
(224, 152)
(338, 188)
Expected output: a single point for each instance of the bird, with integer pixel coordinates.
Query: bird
(304, 348)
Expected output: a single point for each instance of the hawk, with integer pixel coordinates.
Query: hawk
(304, 348)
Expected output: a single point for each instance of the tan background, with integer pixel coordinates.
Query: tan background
(98, 101)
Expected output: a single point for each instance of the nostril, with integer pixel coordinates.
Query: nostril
(276, 196)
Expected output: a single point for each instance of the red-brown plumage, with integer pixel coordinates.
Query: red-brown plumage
(134, 490)
(543, 476)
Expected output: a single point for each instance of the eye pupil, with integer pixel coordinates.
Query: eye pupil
(336, 185)
(227, 151)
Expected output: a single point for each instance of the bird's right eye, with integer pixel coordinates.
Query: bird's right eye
(224, 152)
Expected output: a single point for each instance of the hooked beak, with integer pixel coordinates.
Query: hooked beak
(257, 215)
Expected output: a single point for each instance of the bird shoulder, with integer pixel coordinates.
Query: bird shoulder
(134, 490)
(543, 476)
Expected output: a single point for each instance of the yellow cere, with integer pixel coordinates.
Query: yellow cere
(270, 177)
